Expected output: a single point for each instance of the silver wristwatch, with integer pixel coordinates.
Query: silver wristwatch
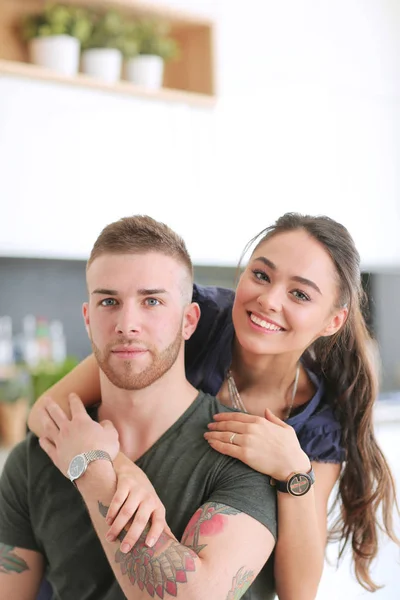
(79, 463)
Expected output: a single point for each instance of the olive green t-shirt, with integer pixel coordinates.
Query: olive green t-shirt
(41, 510)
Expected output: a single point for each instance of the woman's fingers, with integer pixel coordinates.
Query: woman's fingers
(126, 512)
(227, 448)
(138, 525)
(226, 437)
(235, 416)
(232, 426)
(158, 524)
(118, 500)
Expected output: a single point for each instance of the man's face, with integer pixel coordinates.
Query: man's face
(136, 316)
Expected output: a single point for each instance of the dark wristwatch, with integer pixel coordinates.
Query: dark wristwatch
(79, 463)
(297, 484)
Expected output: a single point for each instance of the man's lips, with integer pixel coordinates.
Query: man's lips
(128, 351)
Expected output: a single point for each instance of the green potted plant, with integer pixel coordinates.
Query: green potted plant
(150, 46)
(55, 35)
(15, 399)
(103, 50)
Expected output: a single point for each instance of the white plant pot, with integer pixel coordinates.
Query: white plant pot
(145, 70)
(57, 52)
(103, 63)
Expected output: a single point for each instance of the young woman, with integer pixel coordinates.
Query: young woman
(292, 352)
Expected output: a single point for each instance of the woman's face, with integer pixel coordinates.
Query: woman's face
(287, 295)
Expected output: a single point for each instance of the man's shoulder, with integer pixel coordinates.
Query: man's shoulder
(26, 456)
(210, 405)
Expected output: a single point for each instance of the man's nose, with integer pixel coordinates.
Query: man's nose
(128, 321)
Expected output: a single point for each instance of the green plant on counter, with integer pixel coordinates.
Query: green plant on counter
(47, 374)
(17, 385)
(150, 37)
(57, 19)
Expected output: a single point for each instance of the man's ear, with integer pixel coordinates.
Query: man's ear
(85, 312)
(190, 320)
(336, 322)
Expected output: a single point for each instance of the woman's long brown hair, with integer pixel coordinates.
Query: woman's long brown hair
(366, 492)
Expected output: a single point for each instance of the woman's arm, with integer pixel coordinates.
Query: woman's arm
(271, 446)
(83, 380)
(302, 526)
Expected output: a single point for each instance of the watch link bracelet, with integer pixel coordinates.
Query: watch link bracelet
(297, 484)
(79, 463)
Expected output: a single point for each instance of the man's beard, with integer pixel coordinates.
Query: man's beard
(124, 378)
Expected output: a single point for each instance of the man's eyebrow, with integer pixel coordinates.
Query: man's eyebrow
(141, 292)
(302, 280)
(105, 292)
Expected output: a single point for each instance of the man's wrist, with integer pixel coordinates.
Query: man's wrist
(96, 473)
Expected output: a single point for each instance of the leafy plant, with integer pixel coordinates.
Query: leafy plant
(109, 31)
(150, 37)
(57, 19)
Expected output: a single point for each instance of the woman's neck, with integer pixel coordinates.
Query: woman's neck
(273, 373)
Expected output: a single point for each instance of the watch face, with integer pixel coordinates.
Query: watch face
(299, 484)
(77, 466)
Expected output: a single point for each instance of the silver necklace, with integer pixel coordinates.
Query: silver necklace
(238, 403)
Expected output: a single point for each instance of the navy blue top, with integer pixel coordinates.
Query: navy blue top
(208, 356)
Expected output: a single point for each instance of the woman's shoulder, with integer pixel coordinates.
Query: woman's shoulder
(212, 297)
(317, 426)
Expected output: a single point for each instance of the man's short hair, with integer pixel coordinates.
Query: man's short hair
(141, 234)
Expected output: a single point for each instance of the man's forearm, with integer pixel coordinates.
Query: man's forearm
(143, 573)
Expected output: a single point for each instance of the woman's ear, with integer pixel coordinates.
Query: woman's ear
(190, 320)
(336, 322)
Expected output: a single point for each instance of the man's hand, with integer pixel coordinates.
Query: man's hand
(65, 438)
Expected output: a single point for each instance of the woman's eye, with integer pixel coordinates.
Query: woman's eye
(260, 275)
(108, 302)
(300, 296)
(152, 301)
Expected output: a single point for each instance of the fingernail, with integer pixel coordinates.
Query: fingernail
(211, 425)
(109, 537)
(125, 547)
(150, 543)
(108, 520)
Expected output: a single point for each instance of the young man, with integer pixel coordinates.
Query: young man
(221, 513)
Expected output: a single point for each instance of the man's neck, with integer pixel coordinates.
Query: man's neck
(141, 417)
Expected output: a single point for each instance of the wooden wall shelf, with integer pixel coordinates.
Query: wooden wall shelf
(188, 79)
(28, 71)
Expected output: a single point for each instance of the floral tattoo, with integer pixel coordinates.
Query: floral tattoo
(10, 562)
(158, 569)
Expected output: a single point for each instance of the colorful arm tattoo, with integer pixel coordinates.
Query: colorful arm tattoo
(10, 562)
(158, 569)
(209, 520)
(240, 583)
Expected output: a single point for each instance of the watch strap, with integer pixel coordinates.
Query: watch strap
(97, 455)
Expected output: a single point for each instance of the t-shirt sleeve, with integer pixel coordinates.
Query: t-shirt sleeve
(15, 523)
(238, 486)
(323, 443)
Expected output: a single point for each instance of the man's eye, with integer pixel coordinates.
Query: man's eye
(152, 301)
(108, 302)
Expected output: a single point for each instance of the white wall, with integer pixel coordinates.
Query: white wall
(308, 120)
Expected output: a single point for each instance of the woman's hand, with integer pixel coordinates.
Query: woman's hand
(134, 498)
(267, 445)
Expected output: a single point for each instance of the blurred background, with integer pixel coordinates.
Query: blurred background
(215, 116)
